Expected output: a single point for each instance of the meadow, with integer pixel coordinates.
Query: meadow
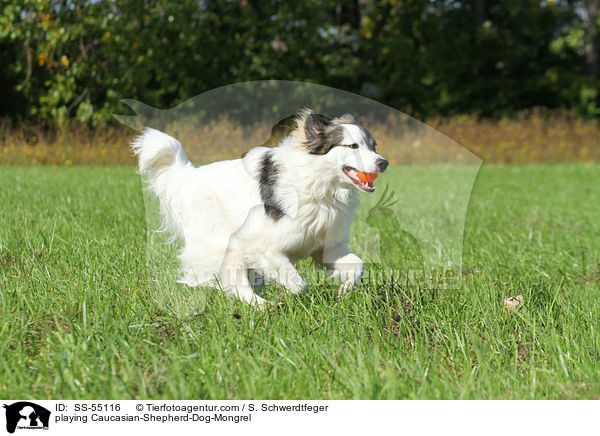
(79, 318)
(534, 136)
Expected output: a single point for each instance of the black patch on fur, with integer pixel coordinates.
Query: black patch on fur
(267, 181)
(322, 133)
(371, 143)
(315, 128)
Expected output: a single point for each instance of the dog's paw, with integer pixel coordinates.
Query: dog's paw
(349, 273)
(297, 287)
(344, 289)
(259, 302)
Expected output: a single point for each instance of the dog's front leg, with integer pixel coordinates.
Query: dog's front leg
(342, 263)
(233, 275)
(280, 269)
(235, 282)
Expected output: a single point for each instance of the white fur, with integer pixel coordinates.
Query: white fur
(217, 211)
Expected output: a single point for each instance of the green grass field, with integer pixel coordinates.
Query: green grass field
(80, 320)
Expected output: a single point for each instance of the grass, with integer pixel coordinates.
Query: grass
(534, 136)
(79, 319)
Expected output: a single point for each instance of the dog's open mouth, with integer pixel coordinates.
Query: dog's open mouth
(363, 181)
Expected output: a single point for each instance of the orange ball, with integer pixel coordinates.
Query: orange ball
(366, 177)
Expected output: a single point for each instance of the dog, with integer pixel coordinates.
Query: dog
(255, 216)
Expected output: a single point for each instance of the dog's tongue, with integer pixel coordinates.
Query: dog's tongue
(366, 177)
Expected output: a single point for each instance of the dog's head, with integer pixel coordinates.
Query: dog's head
(343, 147)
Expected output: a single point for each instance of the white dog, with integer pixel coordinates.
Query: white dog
(261, 213)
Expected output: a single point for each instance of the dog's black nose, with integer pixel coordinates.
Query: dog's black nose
(382, 164)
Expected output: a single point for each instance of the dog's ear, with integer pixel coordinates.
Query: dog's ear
(346, 119)
(315, 126)
(318, 129)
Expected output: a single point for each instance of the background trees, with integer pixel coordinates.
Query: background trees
(64, 60)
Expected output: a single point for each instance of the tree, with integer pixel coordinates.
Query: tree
(592, 44)
(64, 60)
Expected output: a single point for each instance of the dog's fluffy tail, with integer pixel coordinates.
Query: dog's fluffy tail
(157, 152)
(163, 162)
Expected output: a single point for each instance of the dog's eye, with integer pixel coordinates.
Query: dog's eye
(352, 146)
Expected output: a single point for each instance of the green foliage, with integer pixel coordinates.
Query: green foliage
(66, 60)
